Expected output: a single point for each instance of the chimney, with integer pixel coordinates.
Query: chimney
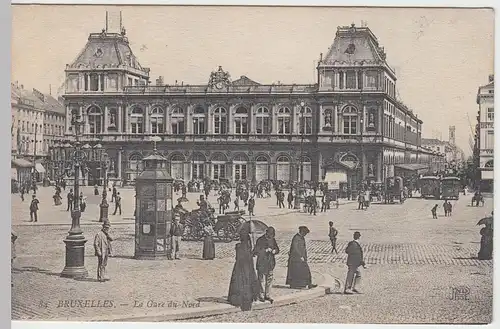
(491, 78)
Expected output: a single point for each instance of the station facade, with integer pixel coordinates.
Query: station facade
(346, 127)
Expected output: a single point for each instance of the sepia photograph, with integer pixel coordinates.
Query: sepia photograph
(242, 164)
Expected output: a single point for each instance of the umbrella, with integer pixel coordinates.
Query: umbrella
(488, 221)
(254, 228)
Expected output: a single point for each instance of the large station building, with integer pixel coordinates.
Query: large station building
(346, 127)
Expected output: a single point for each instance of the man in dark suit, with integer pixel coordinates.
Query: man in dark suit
(265, 250)
(354, 261)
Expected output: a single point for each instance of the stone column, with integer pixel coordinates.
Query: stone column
(345, 80)
(252, 120)
(378, 170)
(336, 121)
(127, 121)
(105, 128)
(357, 80)
(147, 123)
(210, 120)
(119, 165)
(230, 123)
(365, 164)
(67, 121)
(189, 118)
(363, 125)
(274, 119)
(119, 119)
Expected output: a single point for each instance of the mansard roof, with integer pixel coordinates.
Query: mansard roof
(355, 45)
(107, 50)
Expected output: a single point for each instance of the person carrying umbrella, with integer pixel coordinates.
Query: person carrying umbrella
(486, 248)
(265, 249)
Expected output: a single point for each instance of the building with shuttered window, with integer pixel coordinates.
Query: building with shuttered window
(347, 126)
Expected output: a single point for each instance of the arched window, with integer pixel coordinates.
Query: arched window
(241, 121)
(240, 163)
(261, 168)
(263, 121)
(306, 121)
(489, 164)
(198, 166)
(95, 120)
(306, 168)
(137, 120)
(283, 168)
(284, 121)
(177, 166)
(178, 123)
(350, 120)
(199, 121)
(219, 162)
(157, 124)
(220, 121)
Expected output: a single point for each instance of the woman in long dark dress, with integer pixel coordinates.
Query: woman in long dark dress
(208, 243)
(299, 275)
(244, 287)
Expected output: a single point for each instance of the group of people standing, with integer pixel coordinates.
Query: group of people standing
(250, 283)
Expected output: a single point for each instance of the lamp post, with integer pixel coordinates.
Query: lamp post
(104, 206)
(303, 127)
(75, 241)
(362, 164)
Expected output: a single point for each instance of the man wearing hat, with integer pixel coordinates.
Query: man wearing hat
(354, 261)
(265, 249)
(299, 275)
(102, 246)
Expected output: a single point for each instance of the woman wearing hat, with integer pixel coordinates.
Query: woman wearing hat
(299, 275)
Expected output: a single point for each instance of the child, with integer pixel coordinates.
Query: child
(434, 210)
(333, 237)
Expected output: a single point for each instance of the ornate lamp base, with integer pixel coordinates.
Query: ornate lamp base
(104, 211)
(75, 257)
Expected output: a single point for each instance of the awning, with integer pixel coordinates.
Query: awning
(13, 173)
(39, 168)
(411, 166)
(21, 163)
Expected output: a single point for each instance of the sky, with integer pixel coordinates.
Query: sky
(441, 56)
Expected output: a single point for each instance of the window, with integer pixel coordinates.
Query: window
(240, 167)
(137, 121)
(283, 168)
(94, 119)
(306, 121)
(178, 121)
(490, 140)
(157, 125)
(129, 81)
(491, 114)
(341, 80)
(94, 82)
(261, 168)
(350, 119)
(198, 164)
(284, 121)
(220, 121)
(241, 121)
(219, 161)
(263, 121)
(176, 166)
(371, 79)
(350, 79)
(199, 121)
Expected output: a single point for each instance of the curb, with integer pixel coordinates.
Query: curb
(69, 224)
(220, 309)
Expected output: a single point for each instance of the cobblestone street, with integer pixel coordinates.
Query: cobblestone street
(413, 260)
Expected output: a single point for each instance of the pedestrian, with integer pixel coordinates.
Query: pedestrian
(324, 202)
(96, 190)
(244, 286)
(332, 234)
(208, 243)
(102, 247)
(265, 249)
(361, 201)
(251, 206)
(13, 255)
(70, 197)
(450, 207)
(313, 205)
(21, 192)
(34, 208)
(236, 203)
(118, 203)
(337, 203)
(290, 199)
(299, 275)
(83, 202)
(434, 211)
(57, 198)
(113, 194)
(354, 261)
(176, 233)
(445, 207)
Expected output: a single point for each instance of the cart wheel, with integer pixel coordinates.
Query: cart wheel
(228, 234)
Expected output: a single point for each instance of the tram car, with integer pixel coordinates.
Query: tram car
(430, 187)
(450, 188)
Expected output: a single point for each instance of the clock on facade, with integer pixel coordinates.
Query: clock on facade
(219, 85)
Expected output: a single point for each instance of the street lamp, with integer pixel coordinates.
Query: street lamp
(104, 206)
(303, 127)
(362, 153)
(75, 241)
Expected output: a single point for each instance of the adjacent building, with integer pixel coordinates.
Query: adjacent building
(485, 140)
(38, 122)
(347, 127)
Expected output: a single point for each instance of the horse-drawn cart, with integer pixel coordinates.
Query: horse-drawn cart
(227, 225)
